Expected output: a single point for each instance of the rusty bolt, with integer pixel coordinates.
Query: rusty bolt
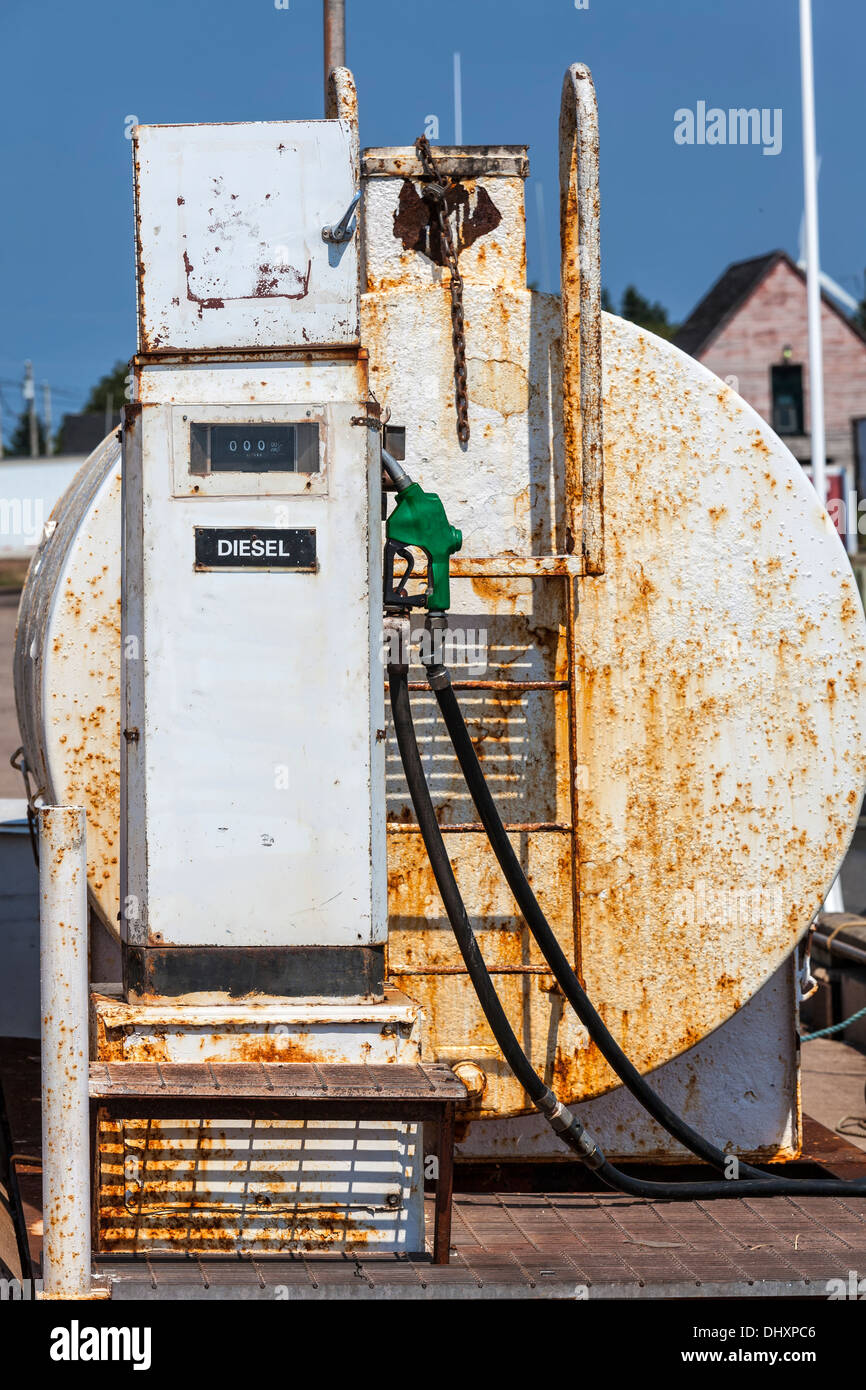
(550, 987)
(474, 1078)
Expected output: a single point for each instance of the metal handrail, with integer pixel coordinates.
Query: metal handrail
(581, 316)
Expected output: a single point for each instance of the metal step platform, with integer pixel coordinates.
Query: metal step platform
(289, 1090)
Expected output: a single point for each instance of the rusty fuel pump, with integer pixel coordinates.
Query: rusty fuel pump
(262, 891)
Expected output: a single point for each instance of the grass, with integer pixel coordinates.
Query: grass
(12, 575)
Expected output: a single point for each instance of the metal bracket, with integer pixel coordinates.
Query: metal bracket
(395, 595)
(342, 231)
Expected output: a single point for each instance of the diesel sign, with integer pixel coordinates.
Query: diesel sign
(250, 547)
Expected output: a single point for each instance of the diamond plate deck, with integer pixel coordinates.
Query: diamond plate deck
(563, 1245)
(573, 1246)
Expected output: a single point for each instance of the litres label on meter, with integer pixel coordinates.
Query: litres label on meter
(254, 547)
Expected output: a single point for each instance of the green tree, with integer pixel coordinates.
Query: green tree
(637, 309)
(19, 444)
(113, 384)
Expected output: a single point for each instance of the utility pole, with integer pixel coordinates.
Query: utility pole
(109, 412)
(46, 414)
(29, 391)
(334, 17)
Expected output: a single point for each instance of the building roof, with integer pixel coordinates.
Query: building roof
(81, 434)
(730, 292)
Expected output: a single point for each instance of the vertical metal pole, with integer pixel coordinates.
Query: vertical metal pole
(46, 411)
(66, 1257)
(458, 101)
(30, 398)
(580, 277)
(834, 901)
(334, 15)
(813, 256)
(543, 255)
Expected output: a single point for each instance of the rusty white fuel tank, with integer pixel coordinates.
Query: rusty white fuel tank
(672, 722)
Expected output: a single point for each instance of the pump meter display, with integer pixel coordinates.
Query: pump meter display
(254, 448)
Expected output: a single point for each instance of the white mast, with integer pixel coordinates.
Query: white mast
(813, 257)
(833, 902)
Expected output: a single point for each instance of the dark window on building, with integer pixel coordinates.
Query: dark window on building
(787, 383)
(860, 454)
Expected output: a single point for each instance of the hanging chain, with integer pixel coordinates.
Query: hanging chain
(438, 189)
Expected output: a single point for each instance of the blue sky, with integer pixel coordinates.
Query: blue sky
(672, 216)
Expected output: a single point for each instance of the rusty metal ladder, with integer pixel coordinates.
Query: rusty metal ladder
(584, 454)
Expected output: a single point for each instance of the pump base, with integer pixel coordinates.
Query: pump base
(224, 1186)
(152, 973)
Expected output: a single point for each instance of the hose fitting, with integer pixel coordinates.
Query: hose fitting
(438, 675)
(397, 640)
(396, 472)
(570, 1130)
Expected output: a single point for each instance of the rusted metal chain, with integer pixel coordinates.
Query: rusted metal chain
(438, 189)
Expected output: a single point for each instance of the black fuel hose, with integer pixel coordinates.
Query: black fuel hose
(440, 683)
(566, 1124)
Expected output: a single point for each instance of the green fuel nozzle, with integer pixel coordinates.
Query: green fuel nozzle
(418, 520)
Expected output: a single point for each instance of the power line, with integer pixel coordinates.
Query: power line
(73, 392)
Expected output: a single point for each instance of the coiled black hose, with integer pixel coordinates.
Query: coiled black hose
(567, 1126)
